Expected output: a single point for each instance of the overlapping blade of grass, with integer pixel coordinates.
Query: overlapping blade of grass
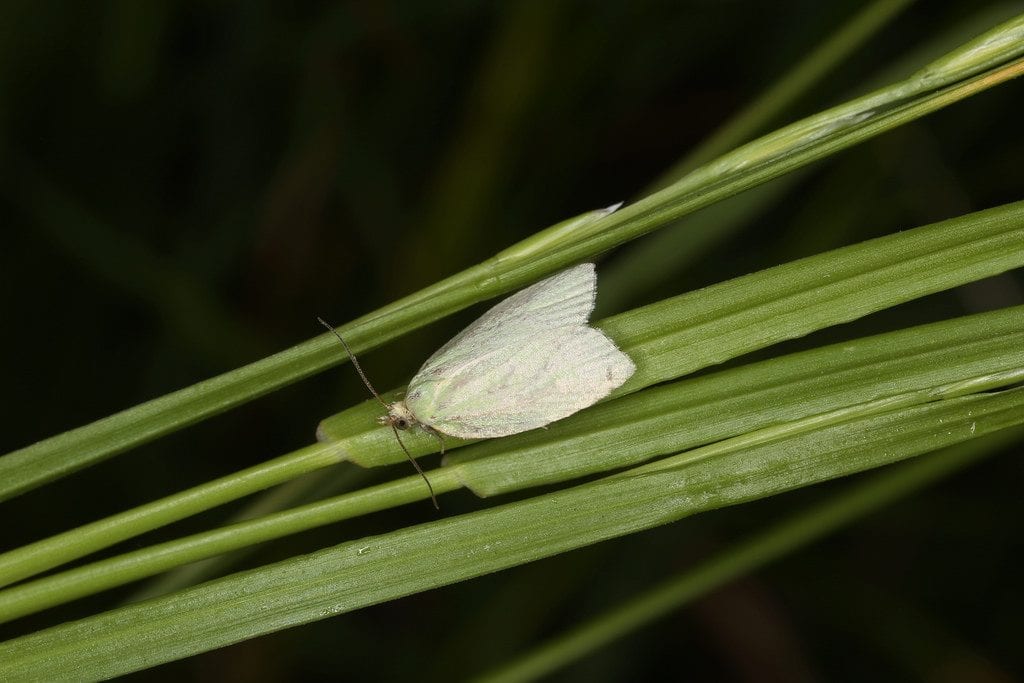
(811, 69)
(800, 529)
(653, 260)
(666, 340)
(698, 329)
(903, 368)
(372, 570)
(34, 465)
(993, 58)
(989, 60)
(624, 277)
(60, 548)
(835, 383)
(314, 486)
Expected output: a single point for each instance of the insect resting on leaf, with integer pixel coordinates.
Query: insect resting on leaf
(527, 362)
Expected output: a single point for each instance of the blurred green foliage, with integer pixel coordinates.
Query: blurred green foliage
(185, 186)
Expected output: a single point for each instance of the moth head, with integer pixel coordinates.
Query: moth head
(399, 416)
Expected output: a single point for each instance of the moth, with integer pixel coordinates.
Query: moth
(531, 360)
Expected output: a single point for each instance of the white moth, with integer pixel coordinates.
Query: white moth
(527, 362)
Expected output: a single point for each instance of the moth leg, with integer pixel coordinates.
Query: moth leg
(439, 435)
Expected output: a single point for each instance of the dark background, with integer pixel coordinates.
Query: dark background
(185, 186)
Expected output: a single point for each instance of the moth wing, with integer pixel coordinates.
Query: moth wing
(562, 300)
(536, 380)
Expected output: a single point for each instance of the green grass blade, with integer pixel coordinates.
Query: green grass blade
(904, 368)
(782, 539)
(810, 70)
(32, 466)
(686, 333)
(314, 486)
(731, 214)
(993, 58)
(666, 340)
(831, 384)
(60, 548)
(372, 570)
(981, 64)
(648, 262)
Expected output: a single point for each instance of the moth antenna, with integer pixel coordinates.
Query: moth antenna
(362, 374)
(373, 391)
(419, 469)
